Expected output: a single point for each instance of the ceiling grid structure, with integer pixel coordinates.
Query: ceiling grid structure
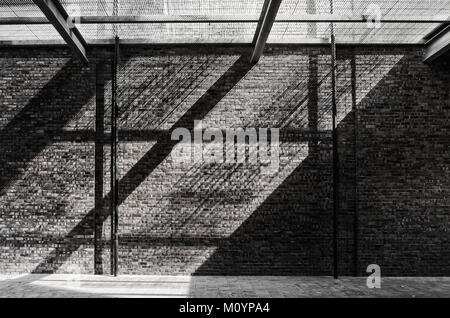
(232, 32)
(360, 33)
(170, 32)
(25, 8)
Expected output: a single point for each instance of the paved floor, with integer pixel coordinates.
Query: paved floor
(219, 286)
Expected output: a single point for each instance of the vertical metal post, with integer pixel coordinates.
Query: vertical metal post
(114, 145)
(114, 175)
(99, 139)
(356, 216)
(335, 152)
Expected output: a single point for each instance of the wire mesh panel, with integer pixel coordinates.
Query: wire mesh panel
(388, 8)
(174, 32)
(282, 32)
(352, 33)
(19, 8)
(24, 8)
(168, 7)
(88, 7)
(169, 32)
(360, 32)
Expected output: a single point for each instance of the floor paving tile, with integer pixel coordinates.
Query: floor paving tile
(69, 286)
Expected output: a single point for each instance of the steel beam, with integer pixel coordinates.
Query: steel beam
(437, 30)
(260, 20)
(58, 17)
(23, 20)
(149, 19)
(266, 25)
(198, 42)
(438, 45)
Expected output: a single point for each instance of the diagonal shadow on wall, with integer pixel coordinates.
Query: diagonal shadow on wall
(289, 234)
(45, 115)
(144, 167)
(255, 254)
(291, 230)
(282, 236)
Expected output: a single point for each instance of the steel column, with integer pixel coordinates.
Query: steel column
(355, 141)
(335, 153)
(114, 175)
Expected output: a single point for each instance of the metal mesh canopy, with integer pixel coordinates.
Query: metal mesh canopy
(169, 7)
(389, 8)
(24, 8)
(175, 33)
(352, 33)
(360, 32)
(19, 8)
(170, 32)
(282, 32)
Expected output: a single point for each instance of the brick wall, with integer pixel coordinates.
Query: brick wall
(225, 218)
